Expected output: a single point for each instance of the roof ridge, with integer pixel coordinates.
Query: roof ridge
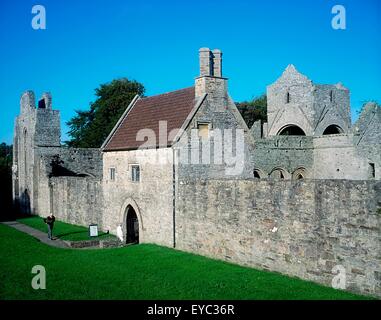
(166, 93)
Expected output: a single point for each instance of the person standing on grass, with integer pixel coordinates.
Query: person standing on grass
(49, 220)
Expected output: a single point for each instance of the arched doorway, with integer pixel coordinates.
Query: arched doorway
(132, 225)
(291, 130)
(333, 129)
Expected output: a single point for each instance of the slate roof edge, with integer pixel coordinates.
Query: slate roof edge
(113, 131)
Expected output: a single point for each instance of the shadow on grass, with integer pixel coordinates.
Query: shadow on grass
(69, 233)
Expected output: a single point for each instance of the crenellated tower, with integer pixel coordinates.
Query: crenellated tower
(34, 128)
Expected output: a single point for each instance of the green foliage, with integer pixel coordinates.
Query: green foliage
(62, 230)
(5, 155)
(139, 272)
(254, 110)
(5, 180)
(89, 128)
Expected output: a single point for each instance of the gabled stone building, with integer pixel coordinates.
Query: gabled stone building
(182, 127)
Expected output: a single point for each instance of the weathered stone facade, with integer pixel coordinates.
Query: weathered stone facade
(39, 158)
(301, 228)
(265, 203)
(309, 133)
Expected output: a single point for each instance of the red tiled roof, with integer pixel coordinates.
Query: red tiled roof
(173, 107)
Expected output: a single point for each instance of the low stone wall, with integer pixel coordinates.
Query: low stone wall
(92, 244)
(77, 200)
(304, 228)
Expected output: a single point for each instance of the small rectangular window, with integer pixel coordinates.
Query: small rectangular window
(135, 173)
(203, 130)
(112, 174)
(372, 171)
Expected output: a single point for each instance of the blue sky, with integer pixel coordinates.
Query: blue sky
(87, 43)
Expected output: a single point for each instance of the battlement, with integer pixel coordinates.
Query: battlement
(28, 101)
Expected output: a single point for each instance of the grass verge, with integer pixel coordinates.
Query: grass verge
(139, 272)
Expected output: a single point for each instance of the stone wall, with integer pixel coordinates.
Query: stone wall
(77, 200)
(301, 228)
(338, 157)
(286, 152)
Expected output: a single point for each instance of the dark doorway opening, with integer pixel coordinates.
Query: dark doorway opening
(332, 129)
(291, 130)
(132, 226)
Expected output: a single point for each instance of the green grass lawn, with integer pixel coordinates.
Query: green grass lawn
(139, 272)
(64, 231)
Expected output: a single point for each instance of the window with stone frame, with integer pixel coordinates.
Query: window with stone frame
(135, 173)
(372, 170)
(112, 174)
(203, 130)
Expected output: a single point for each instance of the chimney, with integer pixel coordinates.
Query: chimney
(217, 63)
(206, 62)
(210, 62)
(210, 80)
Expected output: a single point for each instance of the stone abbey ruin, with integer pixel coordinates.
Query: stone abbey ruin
(305, 199)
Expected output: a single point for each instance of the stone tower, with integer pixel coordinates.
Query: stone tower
(35, 129)
(297, 106)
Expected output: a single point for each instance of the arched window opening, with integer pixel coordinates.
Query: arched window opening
(291, 130)
(299, 174)
(288, 97)
(278, 173)
(258, 174)
(333, 129)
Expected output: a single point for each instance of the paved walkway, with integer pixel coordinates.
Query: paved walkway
(42, 236)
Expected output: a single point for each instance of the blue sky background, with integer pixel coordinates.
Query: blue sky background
(87, 43)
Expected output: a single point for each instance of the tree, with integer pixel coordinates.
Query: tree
(254, 110)
(6, 180)
(89, 128)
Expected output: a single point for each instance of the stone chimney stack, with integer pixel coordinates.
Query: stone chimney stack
(206, 62)
(210, 80)
(210, 62)
(217, 63)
